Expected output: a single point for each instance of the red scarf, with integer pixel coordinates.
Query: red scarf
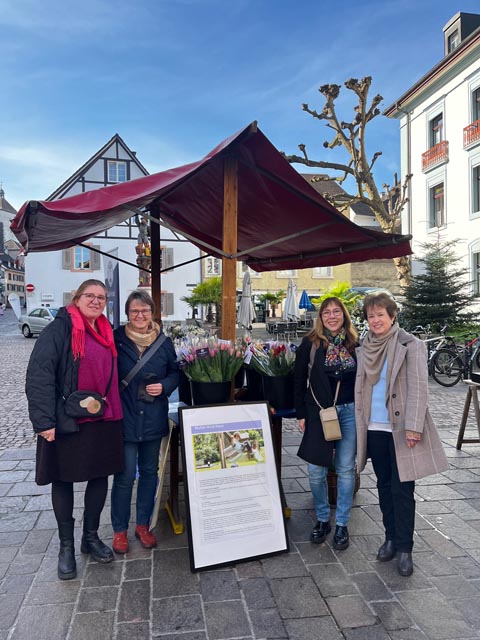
(104, 335)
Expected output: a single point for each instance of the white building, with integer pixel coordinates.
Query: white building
(440, 146)
(55, 275)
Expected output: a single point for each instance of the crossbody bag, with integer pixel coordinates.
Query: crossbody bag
(328, 415)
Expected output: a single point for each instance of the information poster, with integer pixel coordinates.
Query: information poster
(232, 487)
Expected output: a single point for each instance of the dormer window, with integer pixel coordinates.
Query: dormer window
(453, 41)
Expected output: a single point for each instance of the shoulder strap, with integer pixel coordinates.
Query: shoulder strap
(109, 383)
(313, 352)
(141, 362)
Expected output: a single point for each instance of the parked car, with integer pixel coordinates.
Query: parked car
(364, 291)
(32, 323)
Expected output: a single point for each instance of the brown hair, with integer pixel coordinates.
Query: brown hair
(382, 300)
(141, 296)
(88, 283)
(317, 334)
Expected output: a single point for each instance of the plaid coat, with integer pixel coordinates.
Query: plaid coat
(407, 404)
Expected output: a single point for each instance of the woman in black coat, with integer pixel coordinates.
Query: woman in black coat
(325, 358)
(145, 411)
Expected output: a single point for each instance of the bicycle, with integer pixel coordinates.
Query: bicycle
(451, 364)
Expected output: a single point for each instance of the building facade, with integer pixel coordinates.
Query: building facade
(440, 147)
(55, 275)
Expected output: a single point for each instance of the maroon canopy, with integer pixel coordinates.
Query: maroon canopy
(283, 222)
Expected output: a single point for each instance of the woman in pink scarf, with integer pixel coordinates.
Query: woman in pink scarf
(76, 352)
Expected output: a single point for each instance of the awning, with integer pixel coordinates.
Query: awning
(283, 223)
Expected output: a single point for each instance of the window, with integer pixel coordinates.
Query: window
(166, 303)
(436, 130)
(287, 273)
(117, 171)
(81, 259)
(213, 267)
(322, 272)
(453, 41)
(166, 258)
(476, 104)
(436, 206)
(476, 273)
(476, 189)
(243, 267)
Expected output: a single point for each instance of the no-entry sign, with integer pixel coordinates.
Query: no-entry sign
(30, 288)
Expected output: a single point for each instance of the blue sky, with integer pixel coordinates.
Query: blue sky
(175, 77)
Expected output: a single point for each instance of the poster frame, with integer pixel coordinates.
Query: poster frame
(195, 417)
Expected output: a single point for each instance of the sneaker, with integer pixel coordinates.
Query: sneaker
(120, 542)
(341, 539)
(320, 532)
(146, 537)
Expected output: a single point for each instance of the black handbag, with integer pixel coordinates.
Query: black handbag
(88, 404)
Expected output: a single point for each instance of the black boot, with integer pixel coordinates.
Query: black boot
(92, 544)
(404, 563)
(341, 539)
(67, 567)
(387, 551)
(320, 532)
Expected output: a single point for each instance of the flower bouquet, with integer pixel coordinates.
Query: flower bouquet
(272, 358)
(209, 359)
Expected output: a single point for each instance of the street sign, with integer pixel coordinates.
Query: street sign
(29, 288)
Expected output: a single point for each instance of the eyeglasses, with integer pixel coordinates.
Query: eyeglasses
(336, 313)
(137, 312)
(91, 297)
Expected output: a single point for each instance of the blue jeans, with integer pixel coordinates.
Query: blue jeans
(146, 454)
(345, 450)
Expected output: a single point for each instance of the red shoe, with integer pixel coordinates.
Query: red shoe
(146, 537)
(120, 542)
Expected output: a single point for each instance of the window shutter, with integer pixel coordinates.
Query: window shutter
(67, 259)
(169, 258)
(95, 258)
(67, 298)
(169, 303)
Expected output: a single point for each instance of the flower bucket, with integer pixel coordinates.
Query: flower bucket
(254, 385)
(278, 391)
(184, 392)
(210, 392)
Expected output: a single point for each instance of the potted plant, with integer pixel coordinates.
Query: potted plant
(273, 299)
(210, 364)
(274, 362)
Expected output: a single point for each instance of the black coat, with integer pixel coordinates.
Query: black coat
(143, 421)
(314, 448)
(51, 374)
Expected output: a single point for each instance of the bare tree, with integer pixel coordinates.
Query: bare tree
(351, 135)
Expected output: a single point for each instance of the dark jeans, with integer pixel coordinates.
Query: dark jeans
(146, 455)
(396, 498)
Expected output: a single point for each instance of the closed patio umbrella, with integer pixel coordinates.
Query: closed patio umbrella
(246, 310)
(305, 302)
(290, 308)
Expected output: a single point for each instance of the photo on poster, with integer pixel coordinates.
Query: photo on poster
(233, 493)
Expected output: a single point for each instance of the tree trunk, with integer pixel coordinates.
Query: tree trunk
(404, 270)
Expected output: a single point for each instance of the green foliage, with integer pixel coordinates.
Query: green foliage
(342, 291)
(273, 299)
(207, 293)
(440, 294)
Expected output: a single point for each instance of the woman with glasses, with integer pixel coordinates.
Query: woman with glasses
(145, 410)
(325, 368)
(76, 352)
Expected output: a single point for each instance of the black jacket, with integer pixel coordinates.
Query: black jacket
(51, 375)
(314, 448)
(143, 421)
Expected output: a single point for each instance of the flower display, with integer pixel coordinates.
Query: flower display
(209, 359)
(184, 331)
(272, 358)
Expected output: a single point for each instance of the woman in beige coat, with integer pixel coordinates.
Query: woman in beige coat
(394, 426)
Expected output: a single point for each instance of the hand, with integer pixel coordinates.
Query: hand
(301, 424)
(154, 389)
(48, 435)
(412, 438)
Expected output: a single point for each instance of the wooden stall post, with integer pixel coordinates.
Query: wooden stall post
(229, 265)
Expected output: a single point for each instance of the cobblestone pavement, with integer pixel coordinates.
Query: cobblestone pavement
(311, 592)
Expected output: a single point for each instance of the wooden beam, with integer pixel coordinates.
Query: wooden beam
(156, 262)
(229, 265)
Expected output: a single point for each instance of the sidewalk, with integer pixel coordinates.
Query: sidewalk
(312, 592)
